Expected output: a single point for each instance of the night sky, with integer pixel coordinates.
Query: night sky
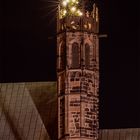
(28, 53)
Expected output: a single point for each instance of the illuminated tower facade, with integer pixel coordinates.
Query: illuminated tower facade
(77, 70)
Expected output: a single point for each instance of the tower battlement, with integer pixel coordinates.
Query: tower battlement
(81, 18)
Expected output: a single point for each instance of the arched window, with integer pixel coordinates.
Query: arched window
(75, 55)
(87, 55)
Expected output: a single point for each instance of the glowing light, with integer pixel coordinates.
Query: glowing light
(64, 12)
(97, 16)
(70, 8)
(73, 9)
(77, 2)
(74, 1)
(79, 13)
(64, 3)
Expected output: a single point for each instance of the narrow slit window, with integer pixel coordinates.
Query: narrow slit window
(75, 55)
(87, 55)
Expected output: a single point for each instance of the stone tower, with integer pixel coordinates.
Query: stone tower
(77, 70)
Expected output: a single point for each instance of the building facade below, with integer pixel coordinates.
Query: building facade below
(28, 111)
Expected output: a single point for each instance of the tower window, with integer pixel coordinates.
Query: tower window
(87, 55)
(75, 55)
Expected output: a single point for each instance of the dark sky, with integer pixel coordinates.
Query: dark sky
(28, 53)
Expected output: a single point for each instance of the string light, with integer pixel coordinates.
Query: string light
(64, 12)
(73, 9)
(70, 7)
(79, 13)
(64, 3)
(73, 1)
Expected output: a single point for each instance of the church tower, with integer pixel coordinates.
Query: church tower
(77, 70)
